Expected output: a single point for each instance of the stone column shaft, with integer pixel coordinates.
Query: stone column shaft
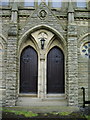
(14, 17)
(72, 65)
(42, 78)
(11, 79)
(11, 71)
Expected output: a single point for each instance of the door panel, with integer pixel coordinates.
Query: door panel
(55, 71)
(28, 71)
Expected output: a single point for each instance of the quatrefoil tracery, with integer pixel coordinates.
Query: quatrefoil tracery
(86, 50)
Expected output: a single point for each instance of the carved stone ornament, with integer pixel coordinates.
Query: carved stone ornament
(12, 30)
(42, 35)
(71, 28)
(42, 14)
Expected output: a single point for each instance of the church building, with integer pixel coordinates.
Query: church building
(44, 52)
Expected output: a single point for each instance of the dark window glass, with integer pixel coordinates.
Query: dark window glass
(81, 3)
(56, 3)
(4, 2)
(29, 3)
(83, 50)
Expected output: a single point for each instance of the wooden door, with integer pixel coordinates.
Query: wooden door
(55, 71)
(28, 70)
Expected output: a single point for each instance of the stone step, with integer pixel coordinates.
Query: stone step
(27, 101)
(55, 95)
(54, 99)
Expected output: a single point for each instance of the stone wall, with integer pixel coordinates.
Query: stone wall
(3, 47)
(83, 69)
(71, 37)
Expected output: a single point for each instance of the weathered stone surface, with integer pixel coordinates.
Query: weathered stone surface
(23, 30)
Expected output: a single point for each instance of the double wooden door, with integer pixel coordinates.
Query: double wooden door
(29, 71)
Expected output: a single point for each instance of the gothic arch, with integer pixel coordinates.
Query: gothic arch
(24, 36)
(85, 35)
(51, 45)
(29, 79)
(55, 62)
(27, 39)
(59, 45)
(4, 40)
(2, 65)
(82, 40)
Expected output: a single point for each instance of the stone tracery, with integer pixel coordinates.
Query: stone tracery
(86, 50)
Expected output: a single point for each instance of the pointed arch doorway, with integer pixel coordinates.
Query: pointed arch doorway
(55, 71)
(45, 87)
(28, 71)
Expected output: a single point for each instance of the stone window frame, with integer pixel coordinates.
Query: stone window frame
(82, 53)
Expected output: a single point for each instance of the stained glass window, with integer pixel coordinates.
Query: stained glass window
(86, 50)
(29, 3)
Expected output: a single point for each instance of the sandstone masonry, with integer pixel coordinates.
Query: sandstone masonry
(67, 28)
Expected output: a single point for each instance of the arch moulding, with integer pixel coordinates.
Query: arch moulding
(81, 38)
(27, 33)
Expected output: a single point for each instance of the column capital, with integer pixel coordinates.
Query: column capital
(42, 57)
